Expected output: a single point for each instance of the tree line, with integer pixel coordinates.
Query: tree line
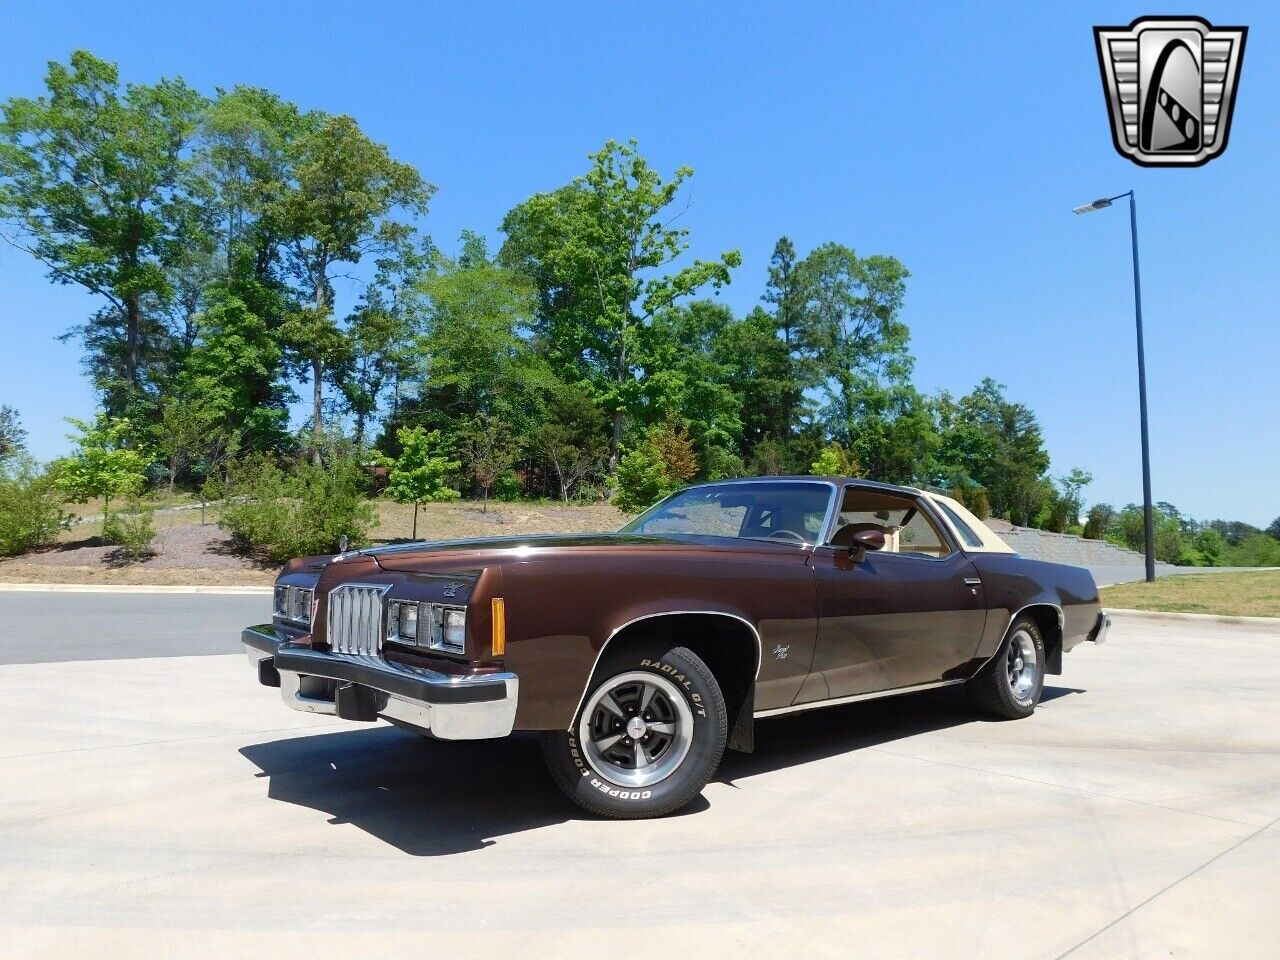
(587, 356)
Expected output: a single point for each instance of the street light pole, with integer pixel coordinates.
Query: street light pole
(1148, 513)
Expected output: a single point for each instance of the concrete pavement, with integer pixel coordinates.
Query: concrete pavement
(166, 806)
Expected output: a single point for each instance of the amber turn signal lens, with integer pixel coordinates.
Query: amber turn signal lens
(499, 609)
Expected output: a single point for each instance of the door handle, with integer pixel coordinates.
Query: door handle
(972, 582)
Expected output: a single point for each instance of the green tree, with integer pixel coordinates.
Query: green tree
(12, 435)
(473, 312)
(94, 182)
(571, 438)
(381, 333)
(1273, 529)
(758, 368)
(420, 474)
(1071, 492)
(999, 444)
(786, 292)
(602, 254)
(235, 364)
(1100, 518)
(335, 208)
(687, 375)
(105, 463)
(1211, 547)
(1255, 550)
(487, 452)
(181, 431)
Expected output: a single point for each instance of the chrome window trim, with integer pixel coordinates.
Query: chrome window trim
(665, 613)
(832, 503)
(852, 698)
(922, 504)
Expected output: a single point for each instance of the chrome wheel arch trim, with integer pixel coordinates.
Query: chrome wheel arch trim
(1062, 625)
(652, 616)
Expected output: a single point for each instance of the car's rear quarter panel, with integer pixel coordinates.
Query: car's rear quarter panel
(1013, 582)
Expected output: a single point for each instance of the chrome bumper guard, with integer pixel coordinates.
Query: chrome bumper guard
(359, 687)
(1101, 628)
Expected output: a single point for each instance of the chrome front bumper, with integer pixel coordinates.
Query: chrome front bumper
(365, 688)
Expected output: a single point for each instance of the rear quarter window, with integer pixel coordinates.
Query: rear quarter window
(967, 533)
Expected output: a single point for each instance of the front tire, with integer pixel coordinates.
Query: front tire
(1009, 686)
(648, 738)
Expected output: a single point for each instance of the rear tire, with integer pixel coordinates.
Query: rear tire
(648, 738)
(1009, 685)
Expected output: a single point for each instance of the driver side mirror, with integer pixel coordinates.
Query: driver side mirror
(865, 540)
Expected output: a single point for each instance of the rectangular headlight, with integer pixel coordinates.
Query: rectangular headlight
(428, 625)
(293, 604)
(402, 621)
(302, 605)
(453, 629)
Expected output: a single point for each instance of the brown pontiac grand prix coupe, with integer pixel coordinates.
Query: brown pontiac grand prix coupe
(641, 655)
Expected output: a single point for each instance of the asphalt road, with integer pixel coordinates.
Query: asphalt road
(51, 627)
(167, 806)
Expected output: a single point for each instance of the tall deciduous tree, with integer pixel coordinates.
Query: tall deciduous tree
(601, 251)
(999, 444)
(94, 182)
(336, 208)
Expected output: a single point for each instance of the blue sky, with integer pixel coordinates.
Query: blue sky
(956, 137)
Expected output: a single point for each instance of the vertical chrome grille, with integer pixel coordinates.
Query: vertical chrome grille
(355, 618)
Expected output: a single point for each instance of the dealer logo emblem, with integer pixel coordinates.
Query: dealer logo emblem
(1170, 84)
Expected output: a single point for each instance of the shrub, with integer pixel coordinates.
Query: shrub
(30, 508)
(661, 464)
(1257, 550)
(835, 461)
(303, 512)
(979, 504)
(131, 529)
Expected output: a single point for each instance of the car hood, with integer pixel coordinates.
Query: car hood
(485, 550)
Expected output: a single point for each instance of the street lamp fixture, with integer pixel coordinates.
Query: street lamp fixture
(1095, 205)
(1148, 514)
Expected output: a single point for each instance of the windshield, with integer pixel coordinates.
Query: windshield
(788, 511)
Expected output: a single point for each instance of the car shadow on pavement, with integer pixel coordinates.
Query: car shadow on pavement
(426, 797)
(435, 797)
(793, 739)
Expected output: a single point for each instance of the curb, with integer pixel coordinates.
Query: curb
(129, 588)
(1195, 617)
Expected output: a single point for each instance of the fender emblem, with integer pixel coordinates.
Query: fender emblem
(780, 652)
